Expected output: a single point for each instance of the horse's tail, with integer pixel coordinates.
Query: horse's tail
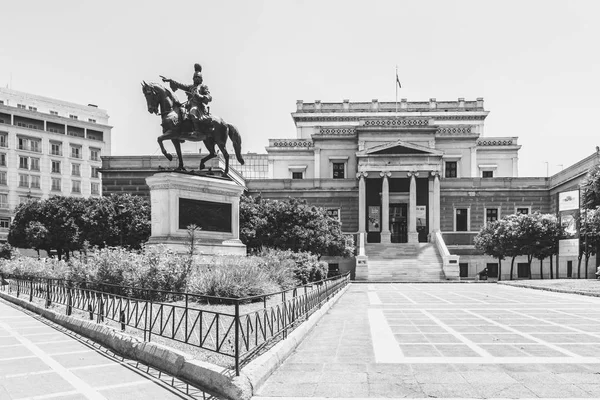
(236, 139)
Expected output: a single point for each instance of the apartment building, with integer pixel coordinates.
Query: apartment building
(48, 147)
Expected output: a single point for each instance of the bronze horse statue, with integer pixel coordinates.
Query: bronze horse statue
(161, 101)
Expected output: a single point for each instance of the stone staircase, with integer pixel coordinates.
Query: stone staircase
(404, 263)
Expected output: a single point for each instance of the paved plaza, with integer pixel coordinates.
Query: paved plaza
(39, 360)
(447, 341)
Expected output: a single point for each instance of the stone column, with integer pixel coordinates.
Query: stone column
(317, 172)
(413, 235)
(474, 172)
(435, 209)
(386, 236)
(362, 204)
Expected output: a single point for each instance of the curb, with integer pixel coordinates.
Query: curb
(218, 380)
(579, 292)
(259, 369)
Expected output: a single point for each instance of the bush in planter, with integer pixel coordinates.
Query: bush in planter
(238, 277)
(307, 266)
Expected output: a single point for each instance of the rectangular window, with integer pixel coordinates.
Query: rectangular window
(35, 145)
(56, 184)
(3, 178)
(32, 108)
(297, 175)
(34, 164)
(92, 120)
(487, 174)
(1, 101)
(73, 116)
(56, 149)
(76, 187)
(95, 173)
(95, 154)
(334, 213)
(491, 215)
(53, 112)
(338, 170)
(463, 270)
(3, 201)
(523, 270)
(2, 159)
(56, 167)
(451, 169)
(75, 151)
(569, 269)
(23, 180)
(23, 162)
(4, 223)
(492, 269)
(35, 182)
(3, 140)
(23, 144)
(76, 169)
(95, 188)
(23, 106)
(462, 219)
(522, 210)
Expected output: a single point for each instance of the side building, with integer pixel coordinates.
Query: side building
(48, 147)
(412, 182)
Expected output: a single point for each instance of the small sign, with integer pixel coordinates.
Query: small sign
(421, 216)
(568, 200)
(568, 247)
(374, 219)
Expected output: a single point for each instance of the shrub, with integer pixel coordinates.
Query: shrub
(238, 277)
(307, 266)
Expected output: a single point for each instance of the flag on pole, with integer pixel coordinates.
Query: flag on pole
(398, 80)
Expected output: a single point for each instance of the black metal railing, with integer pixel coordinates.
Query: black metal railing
(180, 317)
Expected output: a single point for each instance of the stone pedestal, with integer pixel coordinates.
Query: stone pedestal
(178, 200)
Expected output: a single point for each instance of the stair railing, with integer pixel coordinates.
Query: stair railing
(450, 262)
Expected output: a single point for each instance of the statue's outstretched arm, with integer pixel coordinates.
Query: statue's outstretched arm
(176, 85)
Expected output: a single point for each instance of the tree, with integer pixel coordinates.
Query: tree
(290, 224)
(65, 223)
(488, 240)
(589, 235)
(550, 232)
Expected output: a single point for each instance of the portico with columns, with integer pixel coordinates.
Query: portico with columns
(399, 193)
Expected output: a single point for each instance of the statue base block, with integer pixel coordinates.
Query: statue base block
(212, 204)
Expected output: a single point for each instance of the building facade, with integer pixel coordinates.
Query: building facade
(48, 147)
(399, 177)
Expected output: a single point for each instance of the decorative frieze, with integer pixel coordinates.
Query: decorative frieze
(327, 119)
(459, 117)
(292, 143)
(348, 131)
(454, 130)
(506, 142)
(398, 122)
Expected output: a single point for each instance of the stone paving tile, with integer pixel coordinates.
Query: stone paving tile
(295, 389)
(395, 390)
(341, 390)
(147, 390)
(311, 377)
(552, 390)
(440, 377)
(10, 367)
(500, 390)
(45, 384)
(448, 390)
(108, 375)
(477, 378)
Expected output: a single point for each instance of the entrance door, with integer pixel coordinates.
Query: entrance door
(398, 221)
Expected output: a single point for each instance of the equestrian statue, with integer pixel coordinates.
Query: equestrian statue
(190, 120)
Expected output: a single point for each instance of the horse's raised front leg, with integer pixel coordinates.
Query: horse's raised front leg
(162, 147)
(177, 145)
(210, 146)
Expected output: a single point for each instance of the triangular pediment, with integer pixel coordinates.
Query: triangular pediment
(400, 147)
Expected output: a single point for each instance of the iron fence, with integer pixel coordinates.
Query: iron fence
(179, 316)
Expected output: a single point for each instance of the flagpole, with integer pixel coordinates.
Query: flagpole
(396, 85)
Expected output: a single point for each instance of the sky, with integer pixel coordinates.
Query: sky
(536, 63)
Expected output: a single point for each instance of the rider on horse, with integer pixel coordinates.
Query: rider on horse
(198, 97)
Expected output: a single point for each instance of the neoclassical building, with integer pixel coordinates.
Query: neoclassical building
(411, 182)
